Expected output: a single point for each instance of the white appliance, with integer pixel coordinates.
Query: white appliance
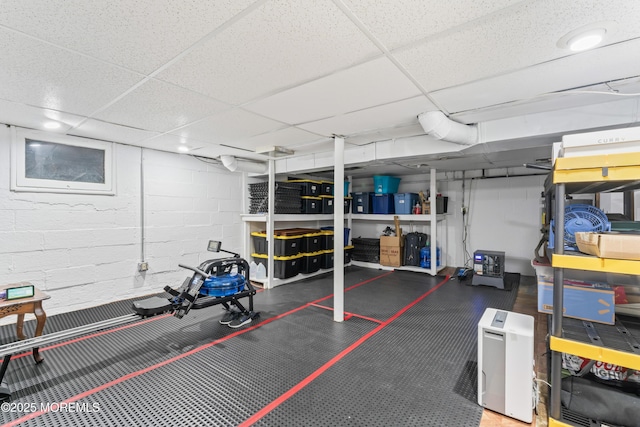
(505, 363)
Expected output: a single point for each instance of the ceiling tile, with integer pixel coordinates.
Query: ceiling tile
(229, 127)
(381, 117)
(13, 113)
(605, 64)
(289, 137)
(42, 75)
(111, 132)
(281, 44)
(398, 22)
(159, 106)
(512, 39)
(372, 83)
(140, 35)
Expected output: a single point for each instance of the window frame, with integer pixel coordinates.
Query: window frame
(19, 181)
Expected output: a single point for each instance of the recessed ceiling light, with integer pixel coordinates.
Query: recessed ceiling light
(587, 40)
(586, 37)
(183, 148)
(52, 125)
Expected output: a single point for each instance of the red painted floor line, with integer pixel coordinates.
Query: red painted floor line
(302, 384)
(175, 358)
(96, 334)
(348, 315)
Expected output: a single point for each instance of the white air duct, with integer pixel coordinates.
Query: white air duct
(436, 124)
(239, 165)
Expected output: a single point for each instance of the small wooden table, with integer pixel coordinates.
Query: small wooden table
(24, 306)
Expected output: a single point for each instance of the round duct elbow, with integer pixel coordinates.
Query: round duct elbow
(436, 124)
(239, 165)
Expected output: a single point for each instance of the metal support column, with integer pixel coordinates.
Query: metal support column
(558, 304)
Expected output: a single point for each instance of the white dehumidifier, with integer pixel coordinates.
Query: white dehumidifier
(505, 363)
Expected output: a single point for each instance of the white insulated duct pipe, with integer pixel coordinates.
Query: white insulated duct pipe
(239, 165)
(436, 124)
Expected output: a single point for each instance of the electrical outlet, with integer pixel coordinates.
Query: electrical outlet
(143, 266)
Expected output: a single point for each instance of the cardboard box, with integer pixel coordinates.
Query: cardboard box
(590, 301)
(391, 250)
(610, 245)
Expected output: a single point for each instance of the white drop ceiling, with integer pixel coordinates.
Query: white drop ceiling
(230, 76)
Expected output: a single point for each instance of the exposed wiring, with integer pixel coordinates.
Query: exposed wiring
(465, 224)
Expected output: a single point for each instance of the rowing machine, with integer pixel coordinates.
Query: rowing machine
(217, 281)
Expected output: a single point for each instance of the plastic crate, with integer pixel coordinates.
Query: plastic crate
(383, 204)
(311, 205)
(366, 249)
(404, 202)
(362, 203)
(384, 184)
(311, 262)
(283, 267)
(327, 204)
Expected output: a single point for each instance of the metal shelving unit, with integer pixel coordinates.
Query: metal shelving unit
(575, 175)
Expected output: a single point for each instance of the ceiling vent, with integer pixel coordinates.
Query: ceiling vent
(436, 124)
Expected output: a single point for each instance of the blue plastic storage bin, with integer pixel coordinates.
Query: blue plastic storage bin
(404, 202)
(383, 204)
(384, 184)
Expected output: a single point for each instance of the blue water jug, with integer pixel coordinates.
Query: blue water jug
(425, 257)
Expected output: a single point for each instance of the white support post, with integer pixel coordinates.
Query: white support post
(338, 230)
(270, 223)
(433, 201)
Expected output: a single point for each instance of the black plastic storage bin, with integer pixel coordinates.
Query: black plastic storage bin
(312, 242)
(362, 203)
(284, 267)
(327, 240)
(366, 249)
(259, 242)
(327, 204)
(311, 262)
(348, 252)
(347, 204)
(326, 188)
(308, 187)
(311, 205)
(327, 259)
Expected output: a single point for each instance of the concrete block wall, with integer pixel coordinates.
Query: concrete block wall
(83, 250)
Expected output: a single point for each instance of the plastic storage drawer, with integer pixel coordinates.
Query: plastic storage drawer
(362, 203)
(404, 202)
(383, 204)
(385, 184)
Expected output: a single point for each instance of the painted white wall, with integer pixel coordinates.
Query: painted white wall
(504, 215)
(83, 250)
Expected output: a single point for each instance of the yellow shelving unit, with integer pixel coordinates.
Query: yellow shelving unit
(580, 175)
